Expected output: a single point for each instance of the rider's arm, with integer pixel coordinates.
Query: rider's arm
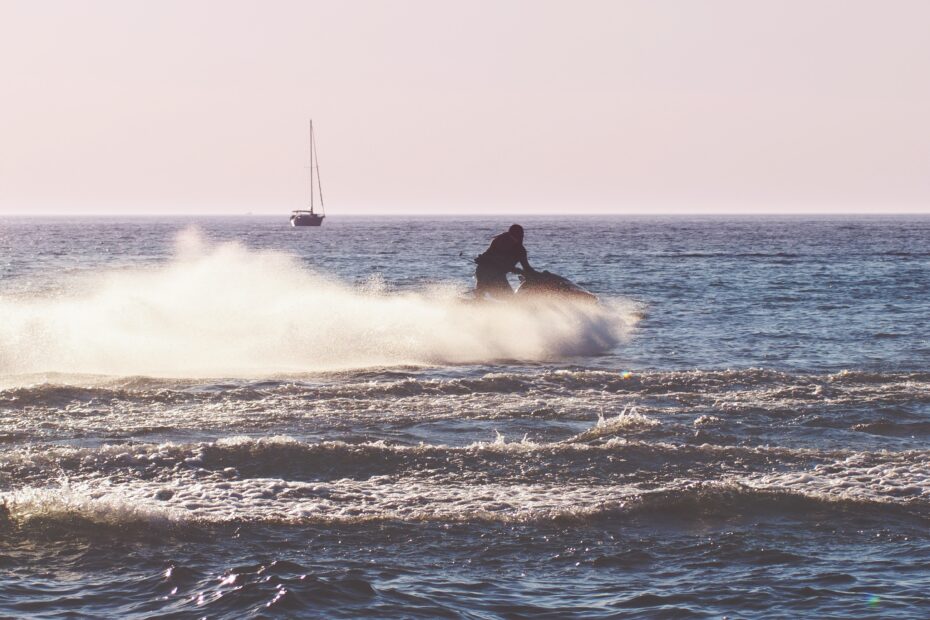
(523, 260)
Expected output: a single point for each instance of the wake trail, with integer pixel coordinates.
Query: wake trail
(225, 310)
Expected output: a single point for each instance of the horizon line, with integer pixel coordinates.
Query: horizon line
(149, 214)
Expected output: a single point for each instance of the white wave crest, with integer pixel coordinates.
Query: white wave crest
(99, 505)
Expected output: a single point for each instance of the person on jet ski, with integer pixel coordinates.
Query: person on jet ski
(501, 258)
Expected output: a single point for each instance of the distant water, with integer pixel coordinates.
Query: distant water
(228, 418)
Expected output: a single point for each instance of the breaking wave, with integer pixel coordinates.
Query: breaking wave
(128, 512)
(225, 310)
(283, 481)
(760, 386)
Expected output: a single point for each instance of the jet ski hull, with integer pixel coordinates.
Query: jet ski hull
(545, 284)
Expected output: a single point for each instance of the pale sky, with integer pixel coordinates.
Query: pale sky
(434, 107)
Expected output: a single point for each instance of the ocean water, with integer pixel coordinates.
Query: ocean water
(228, 418)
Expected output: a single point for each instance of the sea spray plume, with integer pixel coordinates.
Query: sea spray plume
(225, 310)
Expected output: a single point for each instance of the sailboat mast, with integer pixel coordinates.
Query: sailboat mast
(311, 165)
(319, 183)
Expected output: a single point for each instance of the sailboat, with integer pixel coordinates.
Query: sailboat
(303, 217)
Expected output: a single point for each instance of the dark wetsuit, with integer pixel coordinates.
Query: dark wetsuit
(496, 262)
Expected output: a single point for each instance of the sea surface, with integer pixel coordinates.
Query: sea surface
(230, 418)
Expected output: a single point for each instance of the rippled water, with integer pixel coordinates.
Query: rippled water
(228, 417)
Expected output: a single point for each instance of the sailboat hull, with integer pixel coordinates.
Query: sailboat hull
(307, 219)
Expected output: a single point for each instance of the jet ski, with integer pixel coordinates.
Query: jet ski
(542, 284)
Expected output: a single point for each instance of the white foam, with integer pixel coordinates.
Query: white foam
(226, 310)
(895, 478)
(189, 499)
